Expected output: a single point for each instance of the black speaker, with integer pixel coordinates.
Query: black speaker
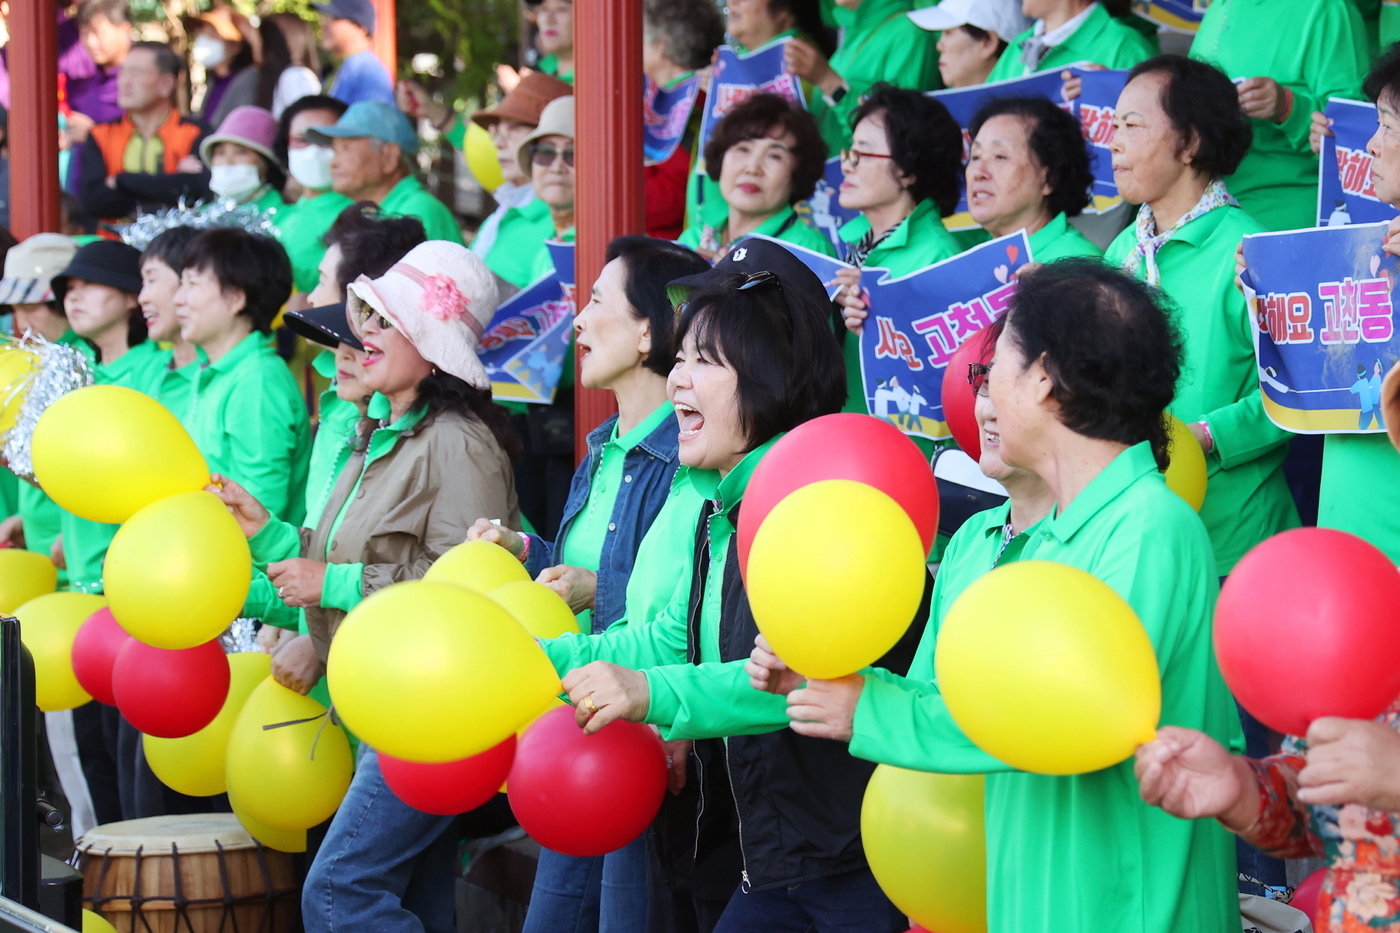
(60, 892)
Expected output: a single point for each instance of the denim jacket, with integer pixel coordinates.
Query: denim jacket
(646, 481)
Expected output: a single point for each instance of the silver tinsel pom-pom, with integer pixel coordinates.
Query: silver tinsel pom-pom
(201, 216)
(57, 370)
(239, 637)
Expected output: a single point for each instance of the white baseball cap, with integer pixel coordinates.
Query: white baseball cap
(1000, 17)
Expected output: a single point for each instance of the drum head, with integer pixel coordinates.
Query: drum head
(189, 833)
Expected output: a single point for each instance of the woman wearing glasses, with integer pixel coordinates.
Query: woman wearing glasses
(547, 155)
(766, 156)
(435, 461)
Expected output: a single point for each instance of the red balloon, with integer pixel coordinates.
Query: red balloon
(1306, 894)
(844, 446)
(586, 794)
(450, 787)
(1305, 627)
(958, 397)
(95, 648)
(170, 692)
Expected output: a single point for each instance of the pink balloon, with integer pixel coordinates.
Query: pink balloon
(586, 794)
(95, 648)
(450, 787)
(170, 692)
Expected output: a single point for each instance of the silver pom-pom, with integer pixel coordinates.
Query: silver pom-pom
(239, 637)
(201, 216)
(52, 371)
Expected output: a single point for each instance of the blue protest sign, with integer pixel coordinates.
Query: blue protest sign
(1345, 192)
(1095, 108)
(823, 209)
(665, 115)
(736, 77)
(1181, 15)
(527, 341)
(918, 321)
(1324, 325)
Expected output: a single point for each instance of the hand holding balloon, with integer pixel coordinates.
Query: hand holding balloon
(767, 671)
(1190, 775)
(295, 665)
(577, 586)
(247, 511)
(483, 529)
(826, 709)
(1351, 761)
(602, 692)
(299, 581)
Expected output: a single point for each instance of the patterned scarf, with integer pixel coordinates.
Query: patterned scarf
(1149, 241)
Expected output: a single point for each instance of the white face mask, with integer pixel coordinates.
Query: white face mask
(208, 50)
(311, 166)
(234, 182)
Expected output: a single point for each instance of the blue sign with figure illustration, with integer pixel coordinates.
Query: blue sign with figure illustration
(736, 77)
(1324, 323)
(665, 116)
(1345, 192)
(525, 345)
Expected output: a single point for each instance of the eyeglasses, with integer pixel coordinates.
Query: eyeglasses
(758, 280)
(365, 313)
(852, 157)
(977, 377)
(544, 156)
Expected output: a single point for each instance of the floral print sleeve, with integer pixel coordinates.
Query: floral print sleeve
(1282, 829)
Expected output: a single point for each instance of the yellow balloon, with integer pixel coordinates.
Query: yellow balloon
(283, 840)
(542, 612)
(1047, 668)
(130, 441)
(47, 626)
(94, 923)
(17, 368)
(834, 577)
(477, 565)
(431, 672)
(24, 575)
(178, 572)
(925, 842)
(293, 776)
(194, 764)
(480, 154)
(1186, 473)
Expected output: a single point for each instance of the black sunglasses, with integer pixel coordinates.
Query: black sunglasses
(977, 377)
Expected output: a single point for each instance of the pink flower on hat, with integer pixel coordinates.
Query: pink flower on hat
(442, 299)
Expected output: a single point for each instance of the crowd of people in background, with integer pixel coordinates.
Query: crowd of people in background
(356, 469)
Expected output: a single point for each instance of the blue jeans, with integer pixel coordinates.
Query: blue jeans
(383, 866)
(849, 903)
(604, 893)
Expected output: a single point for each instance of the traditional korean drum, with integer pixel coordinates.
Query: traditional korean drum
(187, 874)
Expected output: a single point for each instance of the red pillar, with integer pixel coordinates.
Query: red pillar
(386, 36)
(33, 136)
(608, 100)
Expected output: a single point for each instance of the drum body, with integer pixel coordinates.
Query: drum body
(187, 874)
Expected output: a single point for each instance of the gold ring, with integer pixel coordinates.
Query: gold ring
(589, 705)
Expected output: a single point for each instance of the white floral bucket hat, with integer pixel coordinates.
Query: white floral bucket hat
(440, 296)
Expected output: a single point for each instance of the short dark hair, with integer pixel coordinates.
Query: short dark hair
(115, 12)
(167, 62)
(1384, 77)
(756, 118)
(369, 243)
(650, 264)
(787, 360)
(808, 21)
(691, 29)
(1203, 106)
(251, 263)
(170, 247)
(982, 35)
(924, 139)
(1109, 344)
(299, 106)
(1056, 142)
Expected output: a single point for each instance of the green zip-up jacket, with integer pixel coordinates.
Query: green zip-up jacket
(1247, 499)
(1314, 48)
(1101, 39)
(785, 225)
(1084, 854)
(1361, 489)
(300, 228)
(880, 43)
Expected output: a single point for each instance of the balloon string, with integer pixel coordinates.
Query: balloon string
(326, 716)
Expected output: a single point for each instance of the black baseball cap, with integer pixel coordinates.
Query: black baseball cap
(326, 325)
(753, 257)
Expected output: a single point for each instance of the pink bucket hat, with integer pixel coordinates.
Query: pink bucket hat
(440, 296)
(248, 126)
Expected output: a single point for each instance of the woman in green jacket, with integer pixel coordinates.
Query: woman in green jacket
(1084, 367)
(1178, 132)
(766, 156)
(1068, 32)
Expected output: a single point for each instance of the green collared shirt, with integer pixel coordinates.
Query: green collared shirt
(1102, 39)
(879, 42)
(1247, 499)
(300, 228)
(247, 418)
(410, 199)
(583, 545)
(786, 225)
(1361, 489)
(1058, 240)
(520, 240)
